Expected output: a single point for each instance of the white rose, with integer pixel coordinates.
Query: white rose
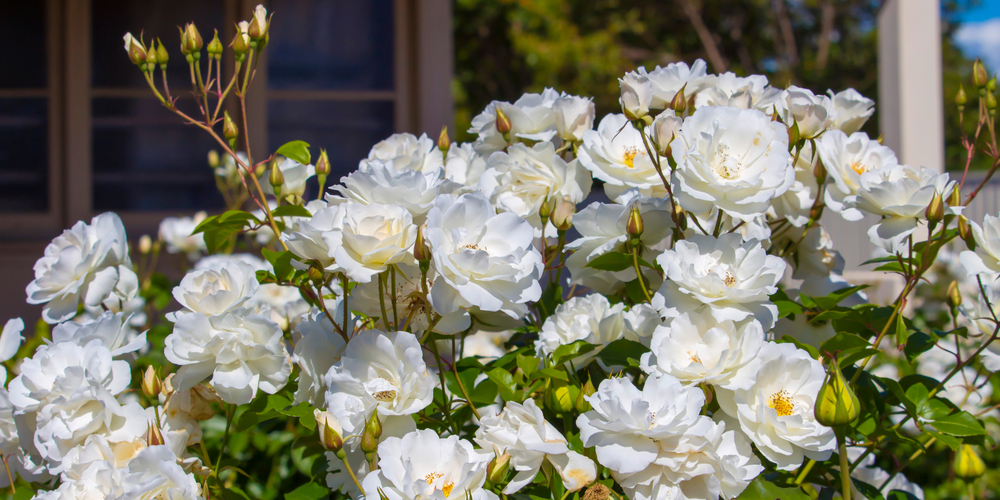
(815, 257)
(846, 158)
(380, 183)
(812, 113)
(155, 474)
(483, 260)
(423, 465)
(177, 233)
(725, 277)
(338, 479)
(776, 410)
(66, 392)
(282, 303)
(853, 110)
(82, 265)
(667, 81)
(217, 289)
(486, 345)
(407, 152)
(602, 228)
(522, 431)
(986, 258)
(521, 179)
(240, 351)
(111, 329)
(733, 159)
(900, 195)
(590, 318)
(295, 177)
(637, 95)
(383, 370)
(311, 240)
(697, 348)
(319, 346)
(10, 342)
(732, 90)
(98, 481)
(665, 127)
(464, 166)
(372, 237)
(615, 154)
(18, 460)
(574, 116)
(531, 118)
(797, 203)
(867, 472)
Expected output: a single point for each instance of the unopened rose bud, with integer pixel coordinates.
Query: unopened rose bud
(991, 101)
(151, 382)
(967, 463)
(421, 252)
(151, 56)
(145, 244)
(316, 275)
(136, 52)
(819, 172)
(496, 470)
(154, 437)
(793, 133)
(194, 40)
(965, 232)
(259, 24)
(330, 431)
(229, 129)
(954, 295)
(979, 75)
(162, 56)
(322, 169)
(373, 426)
(581, 404)
(562, 215)
(444, 142)
(836, 403)
(562, 399)
(682, 222)
(545, 210)
(240, 44)
(960, 97)
(277, 178)
(956, 197)
(666, 126)
(679, 103)
(634, 227)
(991, 85)
(502, 122)
(213, 158)
(214, 48)
(935, 209)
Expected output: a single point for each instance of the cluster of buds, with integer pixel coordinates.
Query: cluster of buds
(370, 437)
(146, 58)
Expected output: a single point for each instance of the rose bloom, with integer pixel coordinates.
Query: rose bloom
(531, 118)
(590, 318)
(381, 183)
(483, 260)
(853, 110)
(155, 474)
(82, 265)
(667, 81)
(733, 159)
(986, 258)
(776, 410)
(724, 277)
(178, 234)
(812, 113)
(423, 465)
(318, 347)
(731, 90)
(310, 241)
(216, 289)
(372, 237)
(846, 158)
(574, 116)
(522, 179)
(637, 94)
(407, 152)
(615, 154)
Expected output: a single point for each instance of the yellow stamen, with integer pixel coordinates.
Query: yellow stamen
(630, 154)
(730, 280)
(446, 489)
(384, 396)
(781, 403)
(859, 167)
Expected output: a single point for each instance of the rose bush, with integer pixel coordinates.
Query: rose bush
(458, 322)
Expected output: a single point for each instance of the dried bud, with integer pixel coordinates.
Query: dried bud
(935, 209)
(162, 56)
(678, 103)
(213, 158)
(634, 226)
(960, 97)
(979, 75)
(420, 250)
(145, 244)
(330, 431)
(503, 123)
(443, 141)
(136, 51)
(954, 295)
(151, 382)
(562, 216)
(582, 405)
(154, 437)
(215, 46)
(597, 492)
(967, 463)
(229, 129)
(836, 403)
(965, 232)
(496, 470)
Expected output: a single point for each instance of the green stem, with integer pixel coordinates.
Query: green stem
(805, 472)
(347, 309)
(230, 412)
(845, 468)
(381, 301)
(350, 470)
(638, 273)
(392, 296)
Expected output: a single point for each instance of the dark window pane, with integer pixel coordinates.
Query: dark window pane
(347, 130)
(22, 34)
(331, 45)
(24, 155)
(159, 19)
(145, 158)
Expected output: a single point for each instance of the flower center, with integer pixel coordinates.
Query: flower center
(384, 396)
(729, 280)
(726, 166)
(629, 157)
(446, 489)
(782, 403)
(693, 356)
(859, 167)
(474, 247)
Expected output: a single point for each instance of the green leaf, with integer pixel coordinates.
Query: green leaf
(611, 261)
(959, 424)
(919, 343)
(296, 150)
(833, 299)
(527, 364)
(900, 495)
(23, 493)
(281, 262)
(870, 492)
(902, 333)
(555, 373)
(569, 351)
(952, 442)
(308, 491)
(761, 489)
(291, 211)
(620, 351)
(844, 342)
(505, 382)
(788, 339)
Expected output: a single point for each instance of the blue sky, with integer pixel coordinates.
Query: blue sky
(979, 34)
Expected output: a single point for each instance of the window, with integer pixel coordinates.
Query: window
(80, 132)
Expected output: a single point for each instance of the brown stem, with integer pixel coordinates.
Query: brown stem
(786, 31)
(823, 53)
(711, 49)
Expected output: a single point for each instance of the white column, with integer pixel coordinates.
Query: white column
(910, 96)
